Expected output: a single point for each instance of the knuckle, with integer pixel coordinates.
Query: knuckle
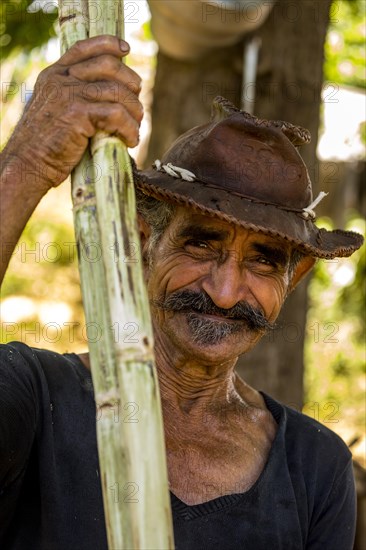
(75, 110)
(137, 84)
(78, 46)
(134, 89)
(108, 65)
(44, 75)
(111, 63)
(101, 123)
(140, 112)
(107, 39)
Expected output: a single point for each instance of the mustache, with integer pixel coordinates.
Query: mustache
(199, 302)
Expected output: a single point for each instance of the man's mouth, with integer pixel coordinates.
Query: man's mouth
(209, 329)
(208, 323)
(214, 317)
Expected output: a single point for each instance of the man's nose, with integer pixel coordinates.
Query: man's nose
(227, 282)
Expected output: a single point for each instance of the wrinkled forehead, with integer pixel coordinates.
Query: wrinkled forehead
(189, 223)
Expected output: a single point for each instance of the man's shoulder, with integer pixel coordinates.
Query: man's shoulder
(307, 441)
(307, 429)
(43, 365)
(314, 451)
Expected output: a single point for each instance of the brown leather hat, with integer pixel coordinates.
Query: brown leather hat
(248, 172)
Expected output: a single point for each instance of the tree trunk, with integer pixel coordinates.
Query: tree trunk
(289, 83)
(183, 93)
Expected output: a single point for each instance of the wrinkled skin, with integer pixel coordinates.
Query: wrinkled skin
(209, 413)
(218, 430)
(88, 89)
(229, 268)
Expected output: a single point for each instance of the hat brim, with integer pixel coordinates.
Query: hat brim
(266, 218)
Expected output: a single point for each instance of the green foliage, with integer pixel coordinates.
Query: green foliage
(345, 56)
(352, 298)
(25, 25)
(146, 31)
(43, 280)
(335, 361)
(49, 253)
(362, 132)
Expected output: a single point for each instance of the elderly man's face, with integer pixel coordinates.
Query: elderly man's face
(214, 287)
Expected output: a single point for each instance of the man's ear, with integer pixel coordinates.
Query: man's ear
(144, 232)
(302, 268)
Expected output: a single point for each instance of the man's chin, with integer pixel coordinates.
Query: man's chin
(181, 334)
(218, 353)
(211, 331)
(220, 349)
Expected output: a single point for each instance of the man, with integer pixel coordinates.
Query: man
(227, 231)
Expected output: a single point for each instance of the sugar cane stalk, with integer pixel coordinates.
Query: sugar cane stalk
(129, 427)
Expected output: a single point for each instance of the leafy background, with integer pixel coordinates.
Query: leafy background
(41, 302)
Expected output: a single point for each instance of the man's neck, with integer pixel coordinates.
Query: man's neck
(193, 392)
(190, 386)
(210, 414)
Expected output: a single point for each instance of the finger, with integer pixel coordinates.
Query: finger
(106, 67)
(114, 119)
(91, 47)
(111, 92)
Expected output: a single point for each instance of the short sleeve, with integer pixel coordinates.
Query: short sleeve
(333, 527)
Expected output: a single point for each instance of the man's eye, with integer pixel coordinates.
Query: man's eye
(265, 261)
(197, 244)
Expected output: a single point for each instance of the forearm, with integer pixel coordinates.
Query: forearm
(51, 137)
(20, 192)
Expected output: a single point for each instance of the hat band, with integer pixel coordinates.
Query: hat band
(186, 175)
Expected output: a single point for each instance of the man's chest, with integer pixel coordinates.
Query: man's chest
(214, 467)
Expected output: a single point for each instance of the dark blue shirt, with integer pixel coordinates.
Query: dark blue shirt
(50, 492)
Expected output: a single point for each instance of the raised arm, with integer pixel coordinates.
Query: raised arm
(88, 89)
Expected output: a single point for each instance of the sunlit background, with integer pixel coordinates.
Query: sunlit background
(41, 303)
